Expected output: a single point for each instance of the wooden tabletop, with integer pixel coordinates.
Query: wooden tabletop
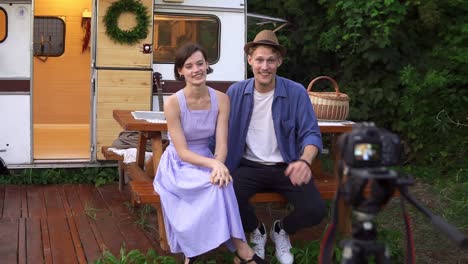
(127, 122)
(335, 127)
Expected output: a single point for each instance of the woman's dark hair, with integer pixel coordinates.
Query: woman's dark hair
(183, 53)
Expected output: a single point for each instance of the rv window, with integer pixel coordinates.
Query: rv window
(172, 31)
(3, 25)
(49, 36)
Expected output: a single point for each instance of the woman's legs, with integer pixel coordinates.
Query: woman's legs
(243, 249)
(245, 254)
(190, 260)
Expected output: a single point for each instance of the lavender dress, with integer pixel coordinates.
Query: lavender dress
(198, 215)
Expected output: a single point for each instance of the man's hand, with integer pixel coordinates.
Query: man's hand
(298, 172)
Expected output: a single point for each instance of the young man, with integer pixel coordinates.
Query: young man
(273, 139)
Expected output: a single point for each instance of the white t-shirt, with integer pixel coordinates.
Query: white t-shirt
(261, 144)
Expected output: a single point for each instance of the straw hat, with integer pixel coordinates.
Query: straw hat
(266, 37)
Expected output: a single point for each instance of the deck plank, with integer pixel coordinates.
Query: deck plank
(59, 231)
(12, 202)
(53, 202)
(85, 194)
(8, 240)
(86, 235)
(73, 227)
(24, 201)
(46, 241)
(105, 225)
(2, 199)
(53, 224)
(134, 237)
(36, 202)
(61, 241)
(34, 250)
(22, 241)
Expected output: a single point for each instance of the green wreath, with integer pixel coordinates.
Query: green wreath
(140, 31)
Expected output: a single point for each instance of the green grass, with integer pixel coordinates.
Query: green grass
(445, 193)
(143, 220)
(96, 175)
(134, 257)
(442, 190)
(90, 211)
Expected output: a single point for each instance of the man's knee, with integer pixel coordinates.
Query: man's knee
(241, 195)
(242, 187)
(313, 215)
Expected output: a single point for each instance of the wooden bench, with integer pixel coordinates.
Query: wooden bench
(131, 168)
(110, 155)
(142, 192)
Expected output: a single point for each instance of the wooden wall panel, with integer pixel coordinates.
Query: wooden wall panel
(119, 89)
(111, 54)
(61, 141)
(60, 7)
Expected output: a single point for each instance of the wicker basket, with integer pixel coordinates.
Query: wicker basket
(329, 106)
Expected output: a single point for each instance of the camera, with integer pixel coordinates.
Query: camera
(369, 146)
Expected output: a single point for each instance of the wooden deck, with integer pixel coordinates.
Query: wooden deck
(74, 223)
(67, 224)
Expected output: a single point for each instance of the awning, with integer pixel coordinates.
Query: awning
(259, 20)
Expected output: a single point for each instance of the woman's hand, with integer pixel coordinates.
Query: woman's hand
(220, 174)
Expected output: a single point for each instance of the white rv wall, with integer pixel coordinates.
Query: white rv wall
(15, 59)
(15, 133)
(15, 108)
(231, 13)
(204, 4)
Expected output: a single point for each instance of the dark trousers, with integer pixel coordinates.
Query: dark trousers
(252, 177)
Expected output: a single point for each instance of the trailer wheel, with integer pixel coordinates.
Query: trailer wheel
(3, 168)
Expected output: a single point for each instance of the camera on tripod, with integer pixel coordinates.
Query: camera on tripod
(366, 184)
(369, 146)
(365, 153)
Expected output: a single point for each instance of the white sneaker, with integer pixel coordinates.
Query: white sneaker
(259, 242)
(282, 245)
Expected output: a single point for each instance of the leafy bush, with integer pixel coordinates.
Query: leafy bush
(404, 65)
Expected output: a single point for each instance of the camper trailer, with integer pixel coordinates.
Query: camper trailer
(62, 74)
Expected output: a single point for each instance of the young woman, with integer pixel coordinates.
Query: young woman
(197, 196)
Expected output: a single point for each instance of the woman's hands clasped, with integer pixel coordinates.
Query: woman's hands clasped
(220, 174)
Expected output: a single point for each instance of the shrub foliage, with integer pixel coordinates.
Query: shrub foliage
(403, 64)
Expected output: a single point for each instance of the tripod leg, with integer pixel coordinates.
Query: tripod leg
(382, 257)
(352, 254)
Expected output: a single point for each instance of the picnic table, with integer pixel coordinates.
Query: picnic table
(142, 188)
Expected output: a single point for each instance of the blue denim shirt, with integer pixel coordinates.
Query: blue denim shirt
(294, 119)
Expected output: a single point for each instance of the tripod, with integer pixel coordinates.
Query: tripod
(365, 153)
(364, 243)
